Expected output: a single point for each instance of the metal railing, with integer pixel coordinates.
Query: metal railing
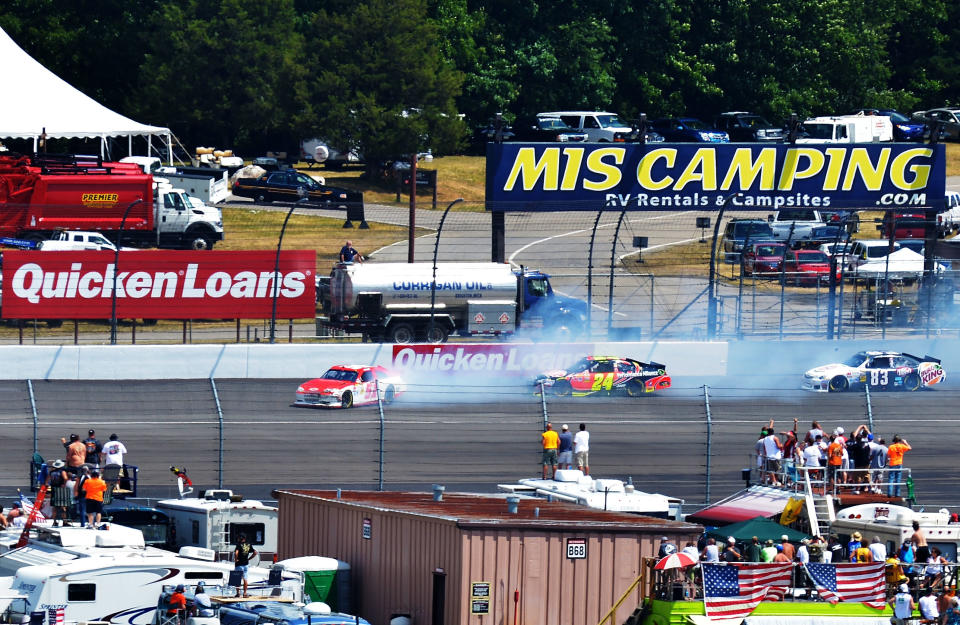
(792, 476)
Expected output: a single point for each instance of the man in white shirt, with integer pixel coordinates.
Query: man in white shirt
(903, 606)
(773, 450)
(878, 550)
(928, 606)
(711, 553)
(112, 452)
(581, 449)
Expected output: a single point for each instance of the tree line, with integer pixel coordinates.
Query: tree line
(396, 76)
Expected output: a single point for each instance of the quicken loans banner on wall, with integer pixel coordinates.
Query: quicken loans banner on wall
(158, 284)
(557, 176)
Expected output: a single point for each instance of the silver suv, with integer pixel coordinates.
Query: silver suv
(598, 126)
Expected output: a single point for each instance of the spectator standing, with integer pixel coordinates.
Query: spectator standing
(878, 549)
(788, 549)
(581, 449)
(76, 452)
(919, 541)
(348, 254)
(241, 558)
(853, 545)
(834, 550)
(773, 452)
(550, 441)
(903, 606)
(929, 610)
(753, 550)
(711, 553)
(3, 519)
(565, 449)
(878, 461)
(769, 552)
(803, 551)
(812, 434)
(93, 490)
(666, 547)
(781, 557)
(62, 497)
(79, 495)
(895, 461)
(93, 447)
(907, 556)
(113, 451)
(730, 553)
(951, 615)
(834, 460)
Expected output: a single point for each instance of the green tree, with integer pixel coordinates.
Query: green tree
(383, 86)
(227, 73)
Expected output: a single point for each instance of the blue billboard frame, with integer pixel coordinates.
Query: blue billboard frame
(703, 177)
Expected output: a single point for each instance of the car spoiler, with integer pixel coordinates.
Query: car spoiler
(927, 358)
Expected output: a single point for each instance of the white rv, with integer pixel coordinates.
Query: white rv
(108, 575)
(216, 520)
(894, 524)
(847, 129)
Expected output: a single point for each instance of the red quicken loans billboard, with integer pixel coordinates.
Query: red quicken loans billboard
(158, 284)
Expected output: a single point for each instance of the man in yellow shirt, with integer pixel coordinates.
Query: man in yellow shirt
(895, 465)
(550, 441)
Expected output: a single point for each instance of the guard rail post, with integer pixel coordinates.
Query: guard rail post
(33, 409)
(216, 400)
(706, 406)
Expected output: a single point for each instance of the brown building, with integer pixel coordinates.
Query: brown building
(467, 559)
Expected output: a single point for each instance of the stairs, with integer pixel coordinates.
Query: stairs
(819, 509)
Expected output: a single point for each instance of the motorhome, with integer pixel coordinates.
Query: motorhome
(847, 129)
(216, 520)
(894, 524)
(109, 575)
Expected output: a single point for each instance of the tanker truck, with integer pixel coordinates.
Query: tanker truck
(392, 302)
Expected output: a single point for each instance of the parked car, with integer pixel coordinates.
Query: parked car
(950, 116)
(867, 250)
(742, 126)
(807, 267)
(633, 136)
(908, 225)
(488, 134)
(687, 129)
(738, 231)
(764, 259)
(948, 221)
(904, 129)
(598, 126)
(545, 129)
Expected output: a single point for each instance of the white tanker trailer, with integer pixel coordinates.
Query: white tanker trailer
(392, 302)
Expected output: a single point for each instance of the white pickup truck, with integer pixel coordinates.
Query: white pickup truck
(78, 241)
(847, 129)
(949, 220)
(795, 224)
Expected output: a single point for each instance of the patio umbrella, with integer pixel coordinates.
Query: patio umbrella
(674, 561)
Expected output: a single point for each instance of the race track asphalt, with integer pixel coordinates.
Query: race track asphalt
(467, 438)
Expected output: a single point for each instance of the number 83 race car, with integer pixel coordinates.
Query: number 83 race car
(606, 375)
(888, 371)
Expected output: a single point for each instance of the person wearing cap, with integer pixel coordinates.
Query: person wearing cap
(581, 449)
(666, 547)
(112, 452)
(549, 440)
(16, 512)
(788, 549)
(895, 461)
(241, 558)
(730, 553)
(781, 557)
(769, 552)
(177, 603)
(565, 449)
(903, 606)
(92, 447)
(62, 496)
(76, 453)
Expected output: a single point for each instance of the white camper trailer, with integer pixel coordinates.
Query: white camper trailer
(216, 520)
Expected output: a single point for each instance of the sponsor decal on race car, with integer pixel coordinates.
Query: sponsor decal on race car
(931, 374)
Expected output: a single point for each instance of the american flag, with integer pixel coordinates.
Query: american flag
(27, 507)
(734, 590)
(55, 616)
(850, 582)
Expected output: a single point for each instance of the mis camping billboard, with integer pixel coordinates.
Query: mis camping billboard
(702, 177)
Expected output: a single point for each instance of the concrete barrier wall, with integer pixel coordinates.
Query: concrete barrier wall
(177, 362)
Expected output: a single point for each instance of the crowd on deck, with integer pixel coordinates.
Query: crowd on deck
(860, 461)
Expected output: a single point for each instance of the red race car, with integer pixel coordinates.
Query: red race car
(607, 375)
(350, 385)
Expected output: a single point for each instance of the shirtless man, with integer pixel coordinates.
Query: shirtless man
(919, 540)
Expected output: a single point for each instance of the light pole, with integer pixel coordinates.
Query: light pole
(711, 291)
(433, 284)
(116, 266)
(276, 275)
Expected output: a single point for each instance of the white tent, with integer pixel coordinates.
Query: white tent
(903, 263)
(44, 102)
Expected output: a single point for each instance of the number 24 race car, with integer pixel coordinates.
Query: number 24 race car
(345, 386)
(890, 371)
(605, 374)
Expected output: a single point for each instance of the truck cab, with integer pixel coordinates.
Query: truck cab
(185, 219)
(795, 224)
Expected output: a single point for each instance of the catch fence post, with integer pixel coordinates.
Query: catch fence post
(216, 399)
(652, 303)
(706, 406)
(866, 391)
(543, 406)
(33, 409)
(380, 446)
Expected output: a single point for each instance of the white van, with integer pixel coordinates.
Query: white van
(847, 129)
(598, 126)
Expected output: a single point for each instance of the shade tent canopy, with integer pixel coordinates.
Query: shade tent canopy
(44, 102)
(762, 528)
